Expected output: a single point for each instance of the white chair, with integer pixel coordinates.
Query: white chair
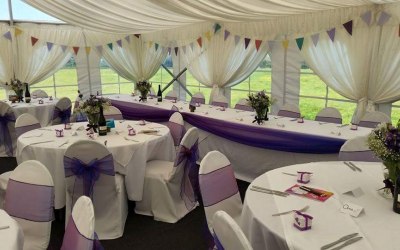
(289, 110)
(172, 95)
(62, 111)
(328, 114)
(198, 98)
(243, 104)
(26, 122)
(356, 149)
(7, 130)
(112, 113)
(107, 192)
(164, 195)
(227, 233)
(30, 201)
(176, 127)
(372, 119)
(39, 93)
(218, 187)
(221, 101)
(79, 232)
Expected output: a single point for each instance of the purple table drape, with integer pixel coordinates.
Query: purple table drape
(136, 111)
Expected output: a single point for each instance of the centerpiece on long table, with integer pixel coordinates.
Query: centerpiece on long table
(260, 103)
(91, 107)
(144, 89)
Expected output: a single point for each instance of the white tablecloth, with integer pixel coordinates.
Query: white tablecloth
(11, 238)
(129, 157)
(379, 225)
(43, 112)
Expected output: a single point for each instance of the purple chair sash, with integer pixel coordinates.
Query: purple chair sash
(89, 173)
(23, 129)
(74, 240)
(177, 131)
(221, 104)
(244, 107)
(217, 185)
(200, 100)
(218, 243)
(366, 155)
(329, 119)
(170, 98)
(368, 124)
(64, 115)
(29, 201)
(188, 158)
(5, 136)
(287, 113)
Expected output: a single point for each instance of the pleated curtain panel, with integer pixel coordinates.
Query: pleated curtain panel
(6, 69)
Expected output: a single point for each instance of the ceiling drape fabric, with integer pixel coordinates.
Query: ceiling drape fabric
(6, 60)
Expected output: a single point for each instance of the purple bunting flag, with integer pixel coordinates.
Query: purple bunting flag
(246, 42)
(226, 34)
(49, 45)
(271, 44)
(237, 39)
(169, 51)
(7, 35)
(100, 49)
(63, 48)
(367, 17)
(315, 39)
(383, 18)
(128, 39)
(349, 27)
(331, 34)
(119, 42)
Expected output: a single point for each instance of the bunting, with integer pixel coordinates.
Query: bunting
(176, 51)
(7, 35)
(191, 46)
(237, 39)
(331, 34)
(285, 44)
(128, 39)
(349, 27)
(226, 34)
(383, 18)
(315, 39)
(217, 27)
(199, 42)
(299, 42)
(63, 48)
(258, 44)
(76, 50)
(49, 45)
(367, 17)
(34, 40)
(99, 49)
(17, 32)
(246, 42)
(87, 49)
(110, 46)
(150, 44)
(169, 51)
(208, 35)
(119, 42)
(137, 35)
(156, 46)
(271, 44)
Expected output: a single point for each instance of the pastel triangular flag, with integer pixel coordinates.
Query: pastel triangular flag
(34, 40)
(299, 42)
(87, 49)
(217, 27)
(49, 45)
(119, 42)
(156, 46)
(383, 18)
(99, 49)
(367, 17)
(246, 42)
(17, 32)
(285, 44)
(208, 35)
(176, 50)
(237, 39)
(226, 34)
(315, 39)
(150, 44)
(258, 44)
(63, 48)
(128, 39)
(137, 35)
(169, 51)
(271, 44)
(191, 46)
(76, 49)
(331, 34)
(8, 35)
(349, 27)
(199, 42)
(184, 49)
(110, 46)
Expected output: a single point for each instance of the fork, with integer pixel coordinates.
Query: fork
(290, 211)
(33, 136)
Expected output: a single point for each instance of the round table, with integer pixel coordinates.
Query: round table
(377, 224)
(11, 238)
(130, 153)
(43, 112)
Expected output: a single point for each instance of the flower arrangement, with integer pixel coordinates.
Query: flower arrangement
(144, 88)
(260, 102)
(92, 105)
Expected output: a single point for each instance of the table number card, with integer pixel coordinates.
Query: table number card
(352, 209)
(356, 192)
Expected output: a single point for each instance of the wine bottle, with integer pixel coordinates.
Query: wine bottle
(27, 94)
(159, 94)
(102, 123)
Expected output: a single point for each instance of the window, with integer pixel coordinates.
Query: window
(162, 77)
(63, 83)
(395, 112)
(111, 82)
(316, 95)
(195, 86)
(3, 94)
(4, 13)
(23, 11)
(259, 80)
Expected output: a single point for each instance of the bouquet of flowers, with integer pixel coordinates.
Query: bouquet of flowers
(144, 88)
(16, 85)
(260, 103)
(92, 105)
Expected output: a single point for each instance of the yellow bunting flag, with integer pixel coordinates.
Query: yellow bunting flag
(150, 44)
(87, 50)
(17, 32)
(285, 44)
(208, 35)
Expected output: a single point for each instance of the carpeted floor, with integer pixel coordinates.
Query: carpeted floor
(142, 232)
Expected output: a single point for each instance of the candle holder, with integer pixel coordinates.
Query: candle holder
(59, 132)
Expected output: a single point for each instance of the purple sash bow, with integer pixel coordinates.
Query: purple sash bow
(188, 158)
(90, 172)
(64, 115)
(73, 239)
(5, 136)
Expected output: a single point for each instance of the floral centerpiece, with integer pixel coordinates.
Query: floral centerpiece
(91, 107)
(144, 89)
(260, 103)
(384, 141)
(18, 88)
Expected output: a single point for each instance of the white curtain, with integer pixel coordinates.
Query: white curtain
(362, 67)
(220, 64)
(6, 56)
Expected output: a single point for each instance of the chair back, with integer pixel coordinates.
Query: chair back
(356, 149)
(79, 233)
(26, 122)
(62, 111)
(243, 104)
(113, 113)
(40, 93)
(227, 233)
(218, 186)
(372, 119)
(289, 110)
(198, 98)
(176, 127)
(328, 114)
(30, 201)
(7, 130)
(172, 95)
(221, 101)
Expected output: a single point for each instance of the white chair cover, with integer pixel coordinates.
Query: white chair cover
(30, 201)
(8, 139)
(167, 192)
(198, 98)
(328, 114)
(221, 101)
(289, 110)
(113, 113)
(79, 233)
(26, 122)
(227, 233)
(357, 149)
(108, 192)
(172, 95)
(39, 93)
(372, 119)
(176, 127)
(243, 104)
(62, 111)
(218, 187)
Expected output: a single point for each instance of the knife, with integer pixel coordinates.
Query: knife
(344, 238)
(266, 191)
(349, 242)
(352, 164)
(270, 190)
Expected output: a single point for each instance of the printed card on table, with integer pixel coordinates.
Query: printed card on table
(310, 193)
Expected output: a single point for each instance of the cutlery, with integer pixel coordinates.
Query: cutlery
(266, 192)
(4, 227)
(128, 139)
(31, 136)
(310, 190)
(270, 190)
(41, 142)
(354, 165)
(322, 123)
(344, 238)
(62, 144)
(351, 167)
(349, 242)
(343, 125)
(47, 129)
(291, 211)
(289, 174)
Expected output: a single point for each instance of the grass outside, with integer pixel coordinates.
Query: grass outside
(310, 85)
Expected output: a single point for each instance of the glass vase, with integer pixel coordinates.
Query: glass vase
(143, 96)
(393, 168)
(93, 121)
(20, 95)
(261, 115)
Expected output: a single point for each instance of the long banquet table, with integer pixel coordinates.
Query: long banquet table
(377, 224)
(252, 149)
